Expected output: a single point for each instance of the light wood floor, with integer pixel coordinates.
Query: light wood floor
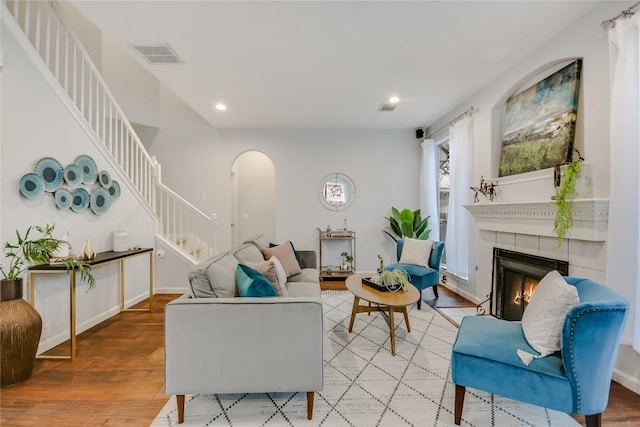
(118, 380)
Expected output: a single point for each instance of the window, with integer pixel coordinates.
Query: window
(443, 189)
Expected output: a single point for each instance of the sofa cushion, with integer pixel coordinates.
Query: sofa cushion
(543, 319)
(286, 256)
(305, 275)
(259, 240)
(268, 270)
(304, 289)
(250, 283)
(247, 252)
(214, 277)
(416, 251)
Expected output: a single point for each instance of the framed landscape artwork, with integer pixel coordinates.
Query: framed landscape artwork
(540, 121)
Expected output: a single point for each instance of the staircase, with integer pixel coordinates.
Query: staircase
(57, 51)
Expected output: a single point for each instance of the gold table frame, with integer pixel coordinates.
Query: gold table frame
(102, 258)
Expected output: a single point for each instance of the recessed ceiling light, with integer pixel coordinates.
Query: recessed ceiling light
(394, 100)
(221, 107)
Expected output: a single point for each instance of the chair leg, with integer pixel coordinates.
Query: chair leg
(420, 301)
(435, 290)
(310, 395)
(594, 420)
(457, 416)
(180, 400)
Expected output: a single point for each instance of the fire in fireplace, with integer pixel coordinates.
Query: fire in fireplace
(515, 278)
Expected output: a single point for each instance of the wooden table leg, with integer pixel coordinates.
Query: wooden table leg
(392, 332)
(354, 310)
(406, 318)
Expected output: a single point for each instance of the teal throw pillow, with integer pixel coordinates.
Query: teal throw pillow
(250, 283)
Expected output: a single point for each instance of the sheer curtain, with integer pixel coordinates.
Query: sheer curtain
(623, 243)
(429, 191)
(459, 221)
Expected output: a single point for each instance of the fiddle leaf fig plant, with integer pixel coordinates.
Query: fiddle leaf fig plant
(565, 194)
(407, 223)
(34, 250)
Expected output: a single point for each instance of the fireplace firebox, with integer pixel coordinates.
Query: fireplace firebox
(515, 278)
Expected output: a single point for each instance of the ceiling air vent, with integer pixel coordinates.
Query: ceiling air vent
(387, 106)
(157, 53)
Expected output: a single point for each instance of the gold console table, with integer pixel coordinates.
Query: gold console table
(102, 258)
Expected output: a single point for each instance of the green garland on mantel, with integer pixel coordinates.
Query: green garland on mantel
(565, 194)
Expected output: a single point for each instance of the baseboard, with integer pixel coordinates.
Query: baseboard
(626, 381)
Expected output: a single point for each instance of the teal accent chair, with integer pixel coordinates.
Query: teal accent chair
(574, 380)
(420, 276)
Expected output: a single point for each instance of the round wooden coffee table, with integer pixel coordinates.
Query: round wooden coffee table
(385, 302)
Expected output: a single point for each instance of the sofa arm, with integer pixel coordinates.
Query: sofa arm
(306, 259)
(243, 345)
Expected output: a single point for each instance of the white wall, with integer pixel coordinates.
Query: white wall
(36, 124)
(586, 39)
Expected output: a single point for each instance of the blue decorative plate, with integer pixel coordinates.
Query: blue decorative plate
(50, 170)
(88, 167)
(79, 199)
(63, 198)
(31, 186)
(100, 201)
(114, 190)
(105, 179)
(73, 174)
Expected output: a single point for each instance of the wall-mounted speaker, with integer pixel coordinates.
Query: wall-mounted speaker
(419, 133)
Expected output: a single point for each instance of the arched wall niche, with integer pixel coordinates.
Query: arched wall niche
(498, 111)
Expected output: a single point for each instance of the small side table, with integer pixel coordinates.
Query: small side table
(385, 302)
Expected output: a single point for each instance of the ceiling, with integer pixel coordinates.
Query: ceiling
(306, 64)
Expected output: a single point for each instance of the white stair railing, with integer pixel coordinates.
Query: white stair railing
(71, 66)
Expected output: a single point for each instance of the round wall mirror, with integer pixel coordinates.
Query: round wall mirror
(336, 191)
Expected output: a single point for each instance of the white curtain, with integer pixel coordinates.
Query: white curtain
(461, 173)
(429, 187)
(623, 253)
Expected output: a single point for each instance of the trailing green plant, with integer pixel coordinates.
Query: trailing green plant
(29, 250)
(565, 194)
(391, 278)
(407, 223)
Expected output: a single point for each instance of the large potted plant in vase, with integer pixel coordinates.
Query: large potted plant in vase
(20, 324)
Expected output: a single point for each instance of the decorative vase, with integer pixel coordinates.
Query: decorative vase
(87, 252)
(20, 329)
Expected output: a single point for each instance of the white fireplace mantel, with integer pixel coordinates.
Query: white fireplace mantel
(590, 218)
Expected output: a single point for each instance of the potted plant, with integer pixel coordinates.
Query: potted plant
(394, 280)
(407, 223)
(346, 260)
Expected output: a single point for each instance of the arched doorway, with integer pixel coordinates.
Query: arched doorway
(253, 181)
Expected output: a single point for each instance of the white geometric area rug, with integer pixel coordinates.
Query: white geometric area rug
(365, 386)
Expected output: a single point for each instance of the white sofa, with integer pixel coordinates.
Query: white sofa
(221, 343)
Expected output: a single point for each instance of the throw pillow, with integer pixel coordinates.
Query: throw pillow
(281, 276)
(268, 270)
(416, 251)
(544, 316)
(251, 283)
(259, 241)
(286, 256)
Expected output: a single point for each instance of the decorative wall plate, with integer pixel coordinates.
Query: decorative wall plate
(31, 186)
(100, 201)
(88, 167)
(50, 170)
(80, 199)
(63, 198)
(105, 179)
(114, 190)
(73, 174)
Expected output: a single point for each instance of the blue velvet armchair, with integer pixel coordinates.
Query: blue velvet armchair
(575, 380)
(420, 276)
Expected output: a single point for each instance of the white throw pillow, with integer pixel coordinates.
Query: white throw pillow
(281, 275)
(544, 317)
(415, 251)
